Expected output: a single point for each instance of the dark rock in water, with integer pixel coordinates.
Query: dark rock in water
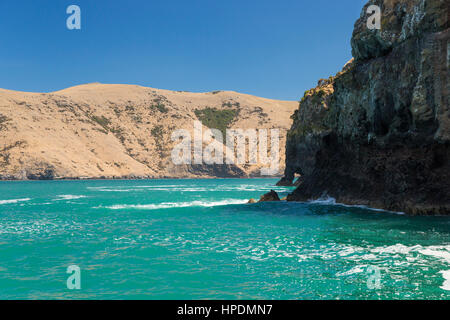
(252, 201)
(270, 196)
(284, 182)
(378, 133)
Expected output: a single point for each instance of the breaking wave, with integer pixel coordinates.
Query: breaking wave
(332, 201)
(168, 205)
(188, 188)
(69, 197)
(14, 201)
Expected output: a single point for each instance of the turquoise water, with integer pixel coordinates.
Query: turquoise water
(197, 239)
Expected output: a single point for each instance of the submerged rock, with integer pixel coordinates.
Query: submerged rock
(270, 196)
(378, 133)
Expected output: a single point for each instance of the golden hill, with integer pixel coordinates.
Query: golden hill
(122, 131)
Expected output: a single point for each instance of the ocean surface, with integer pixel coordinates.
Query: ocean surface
(198, 239)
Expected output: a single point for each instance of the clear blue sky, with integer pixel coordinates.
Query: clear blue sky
(275, 49)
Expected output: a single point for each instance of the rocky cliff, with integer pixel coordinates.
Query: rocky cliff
(378, 133)
(123, 131)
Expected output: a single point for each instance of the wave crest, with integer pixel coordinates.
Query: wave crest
(169, 205)
(14, 201)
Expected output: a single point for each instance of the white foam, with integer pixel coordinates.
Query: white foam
(437, 252)
(440, 252)
(118, 190)
(14, 200)
(189, 188)
(324, 200)
(332, 201)
(397, 249)
(161, 186)
(175, 189)
(168, 205)
(354, 270)
(68, 197)
(446, 284)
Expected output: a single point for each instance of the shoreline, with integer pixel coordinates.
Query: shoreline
(135, 178)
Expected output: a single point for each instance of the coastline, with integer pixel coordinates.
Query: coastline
(320, 200)
(126, 178)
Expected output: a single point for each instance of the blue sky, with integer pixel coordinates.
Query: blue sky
(274, 49)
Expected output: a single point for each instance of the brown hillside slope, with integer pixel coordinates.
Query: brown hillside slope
(119, 131)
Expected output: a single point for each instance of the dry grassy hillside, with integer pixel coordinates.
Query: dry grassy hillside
(122, 131)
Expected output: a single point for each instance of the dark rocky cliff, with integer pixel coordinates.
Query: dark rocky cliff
(378, 133)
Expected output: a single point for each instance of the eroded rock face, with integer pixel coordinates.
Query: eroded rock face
(401, 20)
(378, 133)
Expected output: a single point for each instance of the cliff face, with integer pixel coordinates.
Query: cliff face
(378, 133)
(123, 131)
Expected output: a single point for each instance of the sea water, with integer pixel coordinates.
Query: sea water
(198, 239)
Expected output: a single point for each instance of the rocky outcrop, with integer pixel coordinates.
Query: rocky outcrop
(378, 133)
(270, 196)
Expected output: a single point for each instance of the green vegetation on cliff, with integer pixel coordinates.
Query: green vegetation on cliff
(217, 119)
